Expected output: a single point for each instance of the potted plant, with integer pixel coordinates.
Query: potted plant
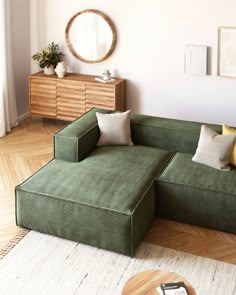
(106, 75)
(47, 58)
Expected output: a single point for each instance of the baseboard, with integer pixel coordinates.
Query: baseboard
(22, 117)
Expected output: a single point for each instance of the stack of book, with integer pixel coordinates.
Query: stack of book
(100, 79)
(176, 288)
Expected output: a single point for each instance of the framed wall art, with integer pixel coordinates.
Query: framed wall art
(195, 62)
(227, 52)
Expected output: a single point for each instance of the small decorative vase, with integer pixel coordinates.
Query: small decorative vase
(61, 69)
(49, 70)
(106, 75)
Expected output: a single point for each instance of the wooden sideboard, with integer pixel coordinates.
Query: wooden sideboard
(69, 97)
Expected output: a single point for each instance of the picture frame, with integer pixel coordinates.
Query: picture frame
(226, 52)
(195, 60)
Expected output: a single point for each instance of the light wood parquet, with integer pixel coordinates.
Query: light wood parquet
(30, 146)
(193, 239)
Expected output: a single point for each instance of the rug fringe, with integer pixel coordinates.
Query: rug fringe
(22, 232)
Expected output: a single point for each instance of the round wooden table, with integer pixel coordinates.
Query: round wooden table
(145, 283)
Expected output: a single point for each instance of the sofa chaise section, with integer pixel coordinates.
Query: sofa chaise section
(106, 200)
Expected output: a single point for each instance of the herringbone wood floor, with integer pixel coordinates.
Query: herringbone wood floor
(29, 146)
(22, 152)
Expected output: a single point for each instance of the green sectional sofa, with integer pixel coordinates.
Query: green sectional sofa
(108, 196)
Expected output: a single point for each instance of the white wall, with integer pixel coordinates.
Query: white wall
(21, 52)
(150, 52)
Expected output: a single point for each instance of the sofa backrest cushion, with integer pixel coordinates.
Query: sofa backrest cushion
(169, 134)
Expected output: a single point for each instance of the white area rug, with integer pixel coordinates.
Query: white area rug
(45, 265)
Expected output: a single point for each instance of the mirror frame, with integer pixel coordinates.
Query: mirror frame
(110, 24)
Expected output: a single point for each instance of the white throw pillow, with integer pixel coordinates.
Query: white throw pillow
(213, 149)
(114, 129)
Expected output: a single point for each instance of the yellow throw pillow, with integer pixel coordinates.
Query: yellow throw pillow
(230, 130)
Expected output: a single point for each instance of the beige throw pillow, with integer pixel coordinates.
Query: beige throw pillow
(213, 149)
(114, 129)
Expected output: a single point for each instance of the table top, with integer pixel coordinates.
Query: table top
(145, 283)
(75, 76)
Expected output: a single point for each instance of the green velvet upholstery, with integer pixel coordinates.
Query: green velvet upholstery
(169, 134)
(197, 194)
(106, 200)
(75, 141)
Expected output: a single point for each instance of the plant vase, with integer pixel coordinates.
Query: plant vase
(106, 77)
(49, 70)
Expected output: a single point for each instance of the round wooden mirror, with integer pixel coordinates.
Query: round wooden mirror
(91, 36)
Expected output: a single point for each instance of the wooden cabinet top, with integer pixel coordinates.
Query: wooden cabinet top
(79, 77)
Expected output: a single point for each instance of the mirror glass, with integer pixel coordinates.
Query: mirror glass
(91, 36)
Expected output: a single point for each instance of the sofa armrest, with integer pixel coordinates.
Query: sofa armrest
(75, 141)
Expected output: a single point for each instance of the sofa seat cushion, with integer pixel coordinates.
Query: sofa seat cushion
(198, 194)
(107, 200)
(114, 178)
